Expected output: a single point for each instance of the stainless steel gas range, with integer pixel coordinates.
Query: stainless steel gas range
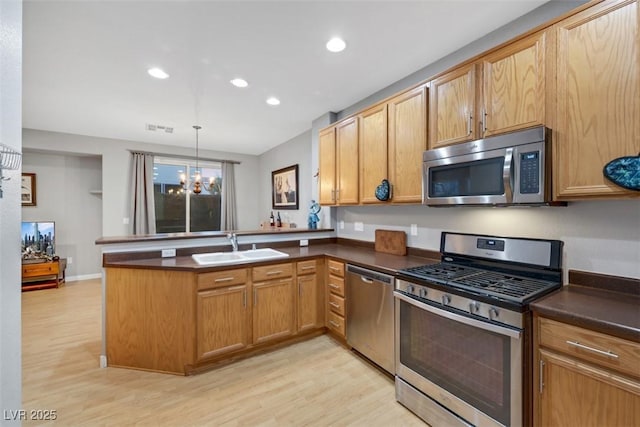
(463, 329)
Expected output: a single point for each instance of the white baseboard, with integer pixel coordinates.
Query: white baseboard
(83, 277)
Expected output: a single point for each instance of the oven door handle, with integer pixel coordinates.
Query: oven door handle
(513, 333)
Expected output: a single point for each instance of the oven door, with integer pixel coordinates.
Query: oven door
(471, 367)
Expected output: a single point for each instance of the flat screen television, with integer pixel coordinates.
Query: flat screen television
(38, 239)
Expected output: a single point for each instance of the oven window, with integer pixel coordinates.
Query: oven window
(470, 363)
(476, 178)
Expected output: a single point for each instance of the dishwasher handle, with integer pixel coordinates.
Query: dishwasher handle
(366, 274)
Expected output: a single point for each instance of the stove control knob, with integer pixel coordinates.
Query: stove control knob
(446, 299)
(493, 313)
(411, 289)
(423, 293)
(474, 307)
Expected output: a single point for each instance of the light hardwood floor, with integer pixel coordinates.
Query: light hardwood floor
(313, 383)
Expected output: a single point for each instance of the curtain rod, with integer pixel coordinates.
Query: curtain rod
(180, 156)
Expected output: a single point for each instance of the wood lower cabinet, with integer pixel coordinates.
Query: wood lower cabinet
(598, 98)
(310, 310)
(272, 310)
(584, 378)
(223, 319)
(336, 314)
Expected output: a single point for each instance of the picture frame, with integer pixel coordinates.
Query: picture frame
(284, 188)
(28, 189)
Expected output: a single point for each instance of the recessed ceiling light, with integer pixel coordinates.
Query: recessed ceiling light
(273, 101)
(239, 82)
(336, 44)
(157, 73)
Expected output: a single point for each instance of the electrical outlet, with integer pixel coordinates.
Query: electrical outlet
(125, 221)
(414, 229)
(168, 253)
(69, 260)
(304, 242)
(358, 226)
(341, 225)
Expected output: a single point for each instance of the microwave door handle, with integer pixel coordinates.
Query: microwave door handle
(507, 175)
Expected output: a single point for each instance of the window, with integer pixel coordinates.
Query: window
(179, 209)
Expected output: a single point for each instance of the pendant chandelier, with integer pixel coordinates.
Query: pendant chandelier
(197, 178)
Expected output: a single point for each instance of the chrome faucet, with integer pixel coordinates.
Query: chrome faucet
(234, 241)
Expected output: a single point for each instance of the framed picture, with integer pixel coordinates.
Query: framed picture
(28, 189)
(284, 188)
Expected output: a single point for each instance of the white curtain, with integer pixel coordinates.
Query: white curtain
(142, 212)
(228, 214)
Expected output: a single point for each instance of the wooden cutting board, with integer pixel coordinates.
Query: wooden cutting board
(391, 242)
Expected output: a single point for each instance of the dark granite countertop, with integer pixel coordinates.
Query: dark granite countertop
(363, 256)
(596, 307)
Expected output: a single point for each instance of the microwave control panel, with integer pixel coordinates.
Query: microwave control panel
(530, 172)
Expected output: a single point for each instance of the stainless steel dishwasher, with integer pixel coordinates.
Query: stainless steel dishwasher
(370, 315)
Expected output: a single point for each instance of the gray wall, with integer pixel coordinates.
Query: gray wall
(10, 123)
(115, 172)
(63, 185)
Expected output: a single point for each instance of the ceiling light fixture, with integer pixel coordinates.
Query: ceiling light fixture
(273, 101)
(157, 73)
(336, 44)
(214, 185)
(238, 82)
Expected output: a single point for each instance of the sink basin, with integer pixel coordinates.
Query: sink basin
(226, 258)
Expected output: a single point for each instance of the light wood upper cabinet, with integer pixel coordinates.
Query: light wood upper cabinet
(452, 107)
(598, 98)
(327, 165)
(347, 161)
(407, 142)
(373, 151)
(501, 92)
(514, 86)
(222, 321)
(272, 310)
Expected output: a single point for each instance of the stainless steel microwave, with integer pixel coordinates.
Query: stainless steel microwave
(509, 169)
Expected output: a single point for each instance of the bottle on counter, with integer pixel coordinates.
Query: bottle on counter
(272, 221)
(279, 220)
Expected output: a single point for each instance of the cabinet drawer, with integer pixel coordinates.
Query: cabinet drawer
(217, 279)
(601, 349)
(336, 268)
(336, 323)
(336, 285)
(336, 304)
(40, 269)
(275, 271)
(306, 267)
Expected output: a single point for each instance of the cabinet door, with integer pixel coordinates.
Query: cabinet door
(223, 322)
(308, 315)
(272, 310)
(452, 109)
(598, 98)
(579, 394)
(373, 151)
(327, 165)
(407, 142)
(514, 89)
(347, 161)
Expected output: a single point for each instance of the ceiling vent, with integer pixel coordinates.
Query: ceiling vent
(155, 128)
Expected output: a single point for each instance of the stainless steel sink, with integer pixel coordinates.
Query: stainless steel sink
(227, 258)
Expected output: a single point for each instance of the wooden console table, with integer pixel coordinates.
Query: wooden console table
(42, 274)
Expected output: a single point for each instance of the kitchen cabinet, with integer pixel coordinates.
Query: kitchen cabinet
(597, 109)
(501, 92)
(309, 296)
(585, 378)
(336, 313)
(222, 321)
(273, 308)
(373, 151)
(339, 163)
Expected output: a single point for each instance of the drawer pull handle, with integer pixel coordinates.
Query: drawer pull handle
(335, 269)
(308, 267)
(334, 286)
(607, 353)
(223, 279)
(334, 324)
(271, 273)
(333, 304)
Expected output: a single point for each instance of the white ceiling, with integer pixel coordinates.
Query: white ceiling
(85, 62)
